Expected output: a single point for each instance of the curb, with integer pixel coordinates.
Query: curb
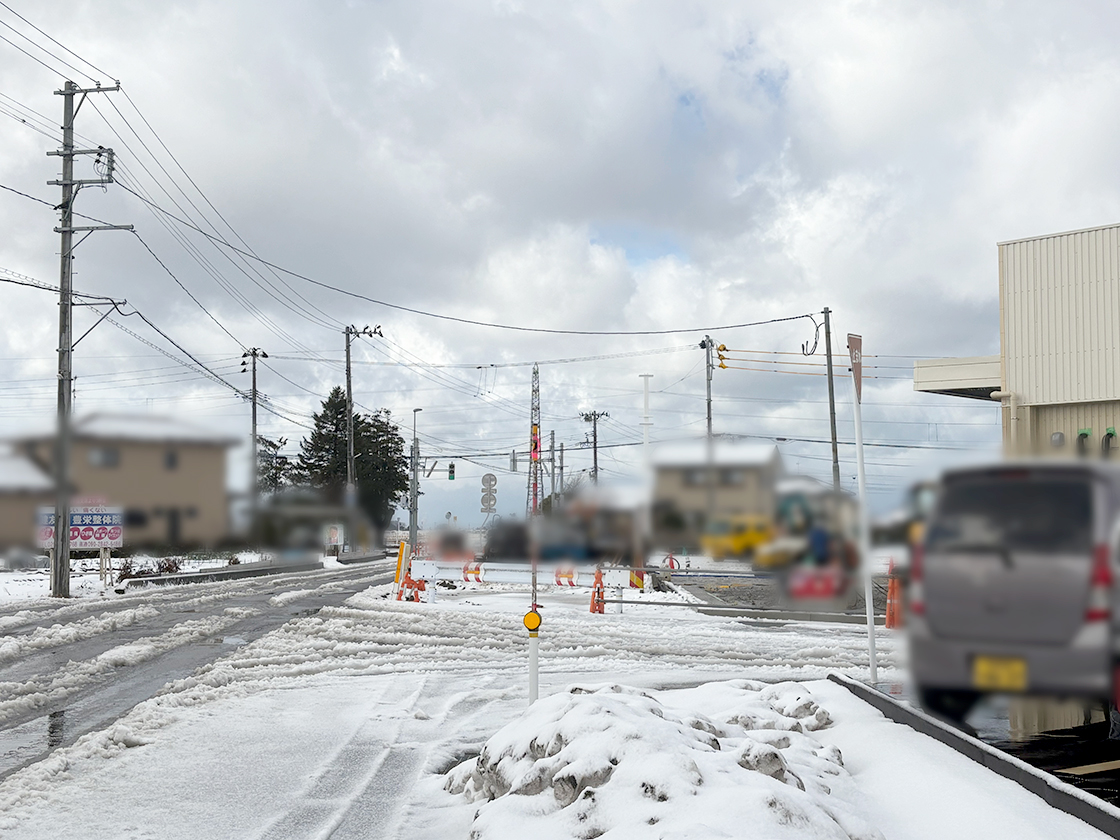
(350, 559)
(1052, 790)
(229, 573)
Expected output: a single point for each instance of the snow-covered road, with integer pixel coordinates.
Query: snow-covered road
(68, 669)
(351, 722)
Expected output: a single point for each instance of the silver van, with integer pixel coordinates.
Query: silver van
(1012, 590)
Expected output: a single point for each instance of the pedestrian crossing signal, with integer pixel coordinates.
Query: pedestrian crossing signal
(451, 471)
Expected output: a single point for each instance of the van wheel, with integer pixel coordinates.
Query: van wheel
(949, 704)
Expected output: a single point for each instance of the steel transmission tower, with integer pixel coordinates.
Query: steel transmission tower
(533, 491)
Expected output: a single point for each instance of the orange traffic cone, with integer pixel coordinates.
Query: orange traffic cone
(894, 614)
(598, 594)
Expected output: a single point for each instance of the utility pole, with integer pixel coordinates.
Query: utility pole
(831, 401)
(351, 497)
(561, 469)
(592, 417)
(552, 468)
(254, 353)
(646, 422)
(414, 491)
(533, 489)
(60, 560)
(706, 346)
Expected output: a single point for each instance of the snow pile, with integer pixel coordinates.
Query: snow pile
(14, 647)
(616, 762)
(17, 697)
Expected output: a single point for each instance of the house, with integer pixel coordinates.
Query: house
(689, 491)
(24, 487)
(167, 474)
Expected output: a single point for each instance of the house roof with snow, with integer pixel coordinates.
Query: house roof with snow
(726, 453)
(19, 474)
(147, 428)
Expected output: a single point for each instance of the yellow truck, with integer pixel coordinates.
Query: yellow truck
(736, 536)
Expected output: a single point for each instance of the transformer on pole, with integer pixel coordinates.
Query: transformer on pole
(533, 490)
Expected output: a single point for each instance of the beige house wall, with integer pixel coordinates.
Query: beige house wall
(193, 491)
(18, 518)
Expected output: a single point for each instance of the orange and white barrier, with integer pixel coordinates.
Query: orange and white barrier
(566, 576)
(561, 574)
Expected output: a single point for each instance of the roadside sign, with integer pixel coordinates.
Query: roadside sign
(489, 493)
(91, 526)
(855, 352)
(332, 534)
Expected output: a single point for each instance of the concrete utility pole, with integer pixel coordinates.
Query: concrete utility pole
(414, 491)
(533, 487)
(552, 469)
(561, 470)
(351, 494)
(592, 417)
(646, 422)
(831, 400)
(254, 353)
(706, 345)
(60, 559)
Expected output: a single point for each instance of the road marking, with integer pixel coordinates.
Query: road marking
(1089, 769)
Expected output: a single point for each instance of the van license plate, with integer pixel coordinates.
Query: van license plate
(999, 673)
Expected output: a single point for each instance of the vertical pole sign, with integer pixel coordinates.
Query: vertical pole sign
(855, 353)
(489, 493)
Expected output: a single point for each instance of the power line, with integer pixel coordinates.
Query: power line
(56, 43)
(209, 314)
(61, 61)
(470, 321)
(29, 55)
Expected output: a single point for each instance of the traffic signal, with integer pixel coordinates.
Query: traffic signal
(451, 471)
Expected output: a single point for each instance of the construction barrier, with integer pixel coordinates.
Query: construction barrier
(598, 594)
(561, 574)
(894, 599)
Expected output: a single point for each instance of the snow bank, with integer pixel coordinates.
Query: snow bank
(613, 761)
(20, 697)
(13, 647)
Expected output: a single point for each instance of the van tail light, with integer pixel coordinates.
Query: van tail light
(917, 594)
(1100, 586)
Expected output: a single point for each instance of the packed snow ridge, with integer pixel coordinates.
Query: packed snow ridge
(612, 761)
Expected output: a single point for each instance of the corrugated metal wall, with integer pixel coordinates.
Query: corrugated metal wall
(1060, 317)
(1042, 421)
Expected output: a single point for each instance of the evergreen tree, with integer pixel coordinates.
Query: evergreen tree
(379, 460)
(274, 471)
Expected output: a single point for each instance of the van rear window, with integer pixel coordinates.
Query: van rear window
(1018, 513)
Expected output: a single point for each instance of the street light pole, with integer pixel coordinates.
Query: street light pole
(831, 400)
(414, 491)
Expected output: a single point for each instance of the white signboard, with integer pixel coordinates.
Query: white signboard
(91, 526)
(332, 534)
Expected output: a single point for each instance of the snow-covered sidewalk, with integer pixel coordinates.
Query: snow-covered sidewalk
(368, 720)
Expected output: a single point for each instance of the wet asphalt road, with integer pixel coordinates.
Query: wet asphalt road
(60, 688)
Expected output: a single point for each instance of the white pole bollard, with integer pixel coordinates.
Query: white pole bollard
(532, 622)
(618, 599)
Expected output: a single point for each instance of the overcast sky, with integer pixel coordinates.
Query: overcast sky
(610, 166)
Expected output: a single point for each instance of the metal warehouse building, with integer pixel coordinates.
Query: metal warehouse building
(1058, 371)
